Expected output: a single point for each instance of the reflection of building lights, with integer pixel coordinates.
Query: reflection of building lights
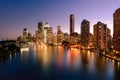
(83, 50)
(46, 58)
(24, 49)
(24, 55)
(107, 58)
(45, 48)
(72, 58)
(10, 57)
(74, 51)
(38, 47)
(113, 61)
(118, 64)
(59, 47)
(93, 56)
(88, 54)
(116, 51)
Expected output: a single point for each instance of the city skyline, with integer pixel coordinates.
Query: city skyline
(19, 14)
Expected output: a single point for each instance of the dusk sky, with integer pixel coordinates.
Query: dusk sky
(15, 15)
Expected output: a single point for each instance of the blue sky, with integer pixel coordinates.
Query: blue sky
(15, 15)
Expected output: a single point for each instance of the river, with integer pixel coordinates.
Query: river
(58, 63)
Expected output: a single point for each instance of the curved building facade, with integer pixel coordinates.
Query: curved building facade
(116, 32)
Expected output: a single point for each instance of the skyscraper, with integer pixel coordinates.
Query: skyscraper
(109, 38)
(85, 31)
(40, 32)
(100, 36)
(71, 24)
(25, 35)
(48, 34)
(29, 37)
(116, 32)
(46, 26)
(25, 32)
(66, 37)
(90, 40)
(74, 38)
(36, 38)
(54, 39)
(60, 35)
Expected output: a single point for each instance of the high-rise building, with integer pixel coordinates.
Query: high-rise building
(116, 32)
(40, 26)
(85, 30)
(40, 32)
(66, 37)
(109, 38)
(74, 38)
(54, 39)
(37, 38)
(100, 36)
(58, 28)
(60, 35)
(25, 35)
(46, 26)
(90, 40)
(48, 34)
(25, 32)
(29, 37)
(71, 24)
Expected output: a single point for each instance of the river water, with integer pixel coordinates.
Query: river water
(57, 63)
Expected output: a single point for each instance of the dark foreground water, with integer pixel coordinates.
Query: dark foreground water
(57, 63)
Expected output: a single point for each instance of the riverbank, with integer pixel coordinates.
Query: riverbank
(112, 57)
(7, 50)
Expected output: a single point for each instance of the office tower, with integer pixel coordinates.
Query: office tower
(29, 37)
(66, 37)
(46, 26)
(74, 38)
(48, 34)
(116, 30)
(71, 24)
(25, 32)
(109, 38)
(60, 35)
(25, 35)
(37, 38)
(40, 32)
(54, 39)
(100, 36)
(58, 28)
(85, 25)
(90, 40)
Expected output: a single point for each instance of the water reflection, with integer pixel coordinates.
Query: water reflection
(72, 63)
(73, 58)
(24, 56)
(43, 55)
(59, 57)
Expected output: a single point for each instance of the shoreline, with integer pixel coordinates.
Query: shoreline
(111, 57)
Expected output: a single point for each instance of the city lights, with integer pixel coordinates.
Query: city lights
(59, 40)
